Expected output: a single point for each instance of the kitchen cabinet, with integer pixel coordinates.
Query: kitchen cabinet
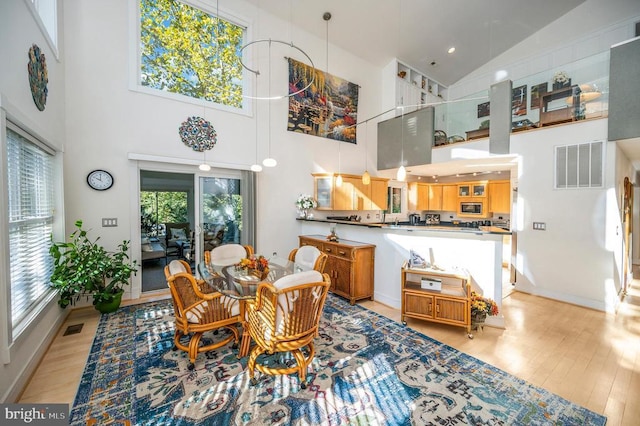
(424, 196)
(451, 304)
(435, 197)
(449, 198)
(418, 196)
(351, 195)
(350, 266)
(379, 189)
(472, 189)
(500, 197)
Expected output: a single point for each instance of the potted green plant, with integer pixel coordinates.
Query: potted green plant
(82, 267)
(480, 308)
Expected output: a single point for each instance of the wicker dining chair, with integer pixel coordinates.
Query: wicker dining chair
(285, 317)
(310, 257)
(197, 310)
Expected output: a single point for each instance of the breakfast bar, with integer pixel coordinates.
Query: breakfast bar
(475, 250)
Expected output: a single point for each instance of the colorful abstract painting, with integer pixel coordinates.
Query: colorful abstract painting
(328, 107)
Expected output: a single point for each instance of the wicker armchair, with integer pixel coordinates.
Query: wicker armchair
(198, 309)
(284, 318)
(310, 257)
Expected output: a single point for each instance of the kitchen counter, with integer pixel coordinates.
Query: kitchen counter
(476, 250)
(420, 228)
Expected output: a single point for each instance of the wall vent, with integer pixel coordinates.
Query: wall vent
(579, 166)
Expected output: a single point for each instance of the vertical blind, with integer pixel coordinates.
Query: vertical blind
(31, 203)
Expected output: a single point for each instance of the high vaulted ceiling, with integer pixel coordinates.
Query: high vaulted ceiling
(419, 32)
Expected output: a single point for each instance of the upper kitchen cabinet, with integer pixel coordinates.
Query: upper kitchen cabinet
(450, 198)
(352, 194)
(472, 189)
(424, 196)
(500, 196)
(407, 139)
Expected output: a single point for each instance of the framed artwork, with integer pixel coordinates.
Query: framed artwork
(519, 101)
(536, 94)
(484, 109)
(328, 108)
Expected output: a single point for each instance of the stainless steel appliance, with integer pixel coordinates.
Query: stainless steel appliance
(432, 219)
(470, 208)
(414, 219)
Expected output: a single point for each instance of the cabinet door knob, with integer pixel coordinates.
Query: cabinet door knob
(342, 252)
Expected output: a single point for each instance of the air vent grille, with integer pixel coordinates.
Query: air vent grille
(579, 166)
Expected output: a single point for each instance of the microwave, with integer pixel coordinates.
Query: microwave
(472, 208)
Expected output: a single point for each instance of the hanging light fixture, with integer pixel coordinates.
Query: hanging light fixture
(366, 178)
(327, 16)
(402, 173)
(256, 167)
(269, 161)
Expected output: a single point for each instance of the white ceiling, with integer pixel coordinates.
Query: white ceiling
(419, 32)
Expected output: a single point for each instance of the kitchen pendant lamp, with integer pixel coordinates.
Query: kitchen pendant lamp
(402, 172)
(366, 178)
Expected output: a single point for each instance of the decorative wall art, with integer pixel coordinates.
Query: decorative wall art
(484, 109)
(198, 134)
(328, 108)
(536, 94)
(38, 76)
(519, 101)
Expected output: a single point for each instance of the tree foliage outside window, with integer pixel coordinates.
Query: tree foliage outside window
(158, 208)
(191, 52)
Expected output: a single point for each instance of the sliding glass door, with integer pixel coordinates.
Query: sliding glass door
(227, 207)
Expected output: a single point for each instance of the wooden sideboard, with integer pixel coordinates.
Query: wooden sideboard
(350, 266)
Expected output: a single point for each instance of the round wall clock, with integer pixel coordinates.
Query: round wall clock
(100, 180)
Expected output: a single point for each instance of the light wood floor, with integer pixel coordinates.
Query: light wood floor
(585, 356)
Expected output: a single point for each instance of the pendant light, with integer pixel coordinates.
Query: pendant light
(366, 178)
(269, 161)
(327, 16)
(402, 173)
(256, 167)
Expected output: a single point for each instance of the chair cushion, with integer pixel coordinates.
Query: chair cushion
(235, 309)
(227, 254)
(178, 233)
(175, 266)
(306, 256)
(297, 279)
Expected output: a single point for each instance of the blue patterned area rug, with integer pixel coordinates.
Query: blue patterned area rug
(368, 370)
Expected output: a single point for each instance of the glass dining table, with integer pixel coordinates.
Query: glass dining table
(242, 285)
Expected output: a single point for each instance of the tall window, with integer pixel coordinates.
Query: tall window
(191, 52)
(30, 169)
(46, 14)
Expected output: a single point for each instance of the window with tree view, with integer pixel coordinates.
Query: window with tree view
(190, 51)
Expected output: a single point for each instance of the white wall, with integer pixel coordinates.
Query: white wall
(18, 31)
(108, 121)
(572, 259)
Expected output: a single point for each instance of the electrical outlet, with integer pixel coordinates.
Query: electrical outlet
(540, 226)
(109, 222)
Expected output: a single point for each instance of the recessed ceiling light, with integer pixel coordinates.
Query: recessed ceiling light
(451, 50)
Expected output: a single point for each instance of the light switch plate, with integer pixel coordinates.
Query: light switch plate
(540, 226)
(109, 222)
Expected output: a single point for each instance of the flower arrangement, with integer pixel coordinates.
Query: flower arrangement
(259, 263)
(305, 202)
(561, 77)
(481, 305)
